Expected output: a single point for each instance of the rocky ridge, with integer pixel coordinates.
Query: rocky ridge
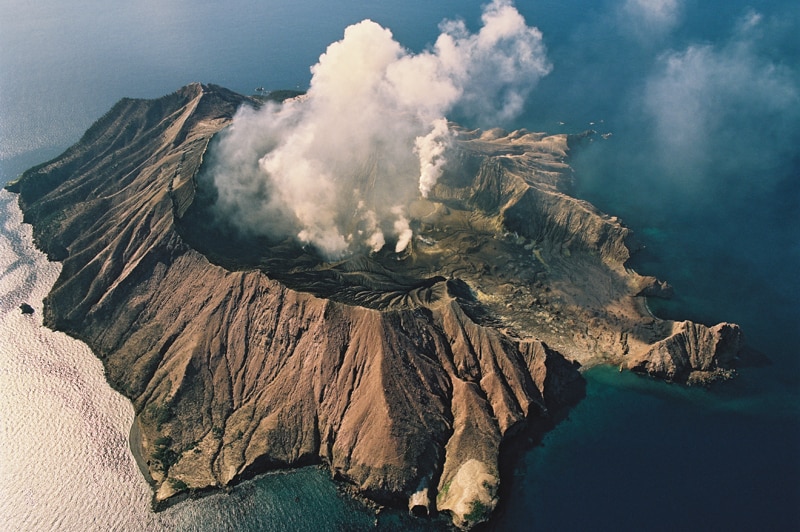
(406, 393)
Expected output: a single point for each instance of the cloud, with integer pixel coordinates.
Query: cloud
(338, 168)
(751, 20)
(649, 20)
(717, 105)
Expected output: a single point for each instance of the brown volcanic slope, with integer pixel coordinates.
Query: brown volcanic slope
(403, 376)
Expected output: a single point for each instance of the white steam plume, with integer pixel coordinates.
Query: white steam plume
(337, 168)
(402, 229)
(430, 150)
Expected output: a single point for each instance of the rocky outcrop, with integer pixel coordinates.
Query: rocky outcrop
(402, 377)
(693, 353)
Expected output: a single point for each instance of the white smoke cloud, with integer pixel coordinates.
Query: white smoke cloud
(337, 169)
(402, 229)
(496, 67)
(430, 150)
(371, 231)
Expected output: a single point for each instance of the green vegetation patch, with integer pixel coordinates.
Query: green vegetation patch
(478, 512)
(163, 453)
(159, 414)
(178, 484)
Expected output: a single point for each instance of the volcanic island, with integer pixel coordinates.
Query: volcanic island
(403, 373)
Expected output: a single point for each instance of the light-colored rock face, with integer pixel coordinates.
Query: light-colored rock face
(404, 386)
(471, 494)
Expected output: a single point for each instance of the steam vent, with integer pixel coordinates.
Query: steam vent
(400, 372)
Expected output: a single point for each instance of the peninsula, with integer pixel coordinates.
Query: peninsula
(403, 373)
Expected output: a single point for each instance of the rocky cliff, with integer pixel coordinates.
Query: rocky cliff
(402, 376)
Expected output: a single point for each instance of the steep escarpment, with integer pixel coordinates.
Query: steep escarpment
(401, 373)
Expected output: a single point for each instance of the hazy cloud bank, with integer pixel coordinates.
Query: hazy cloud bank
(723, 108)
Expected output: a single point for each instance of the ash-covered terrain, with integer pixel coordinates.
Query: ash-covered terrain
(401, 368)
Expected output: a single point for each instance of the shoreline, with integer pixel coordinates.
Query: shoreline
(135, 446)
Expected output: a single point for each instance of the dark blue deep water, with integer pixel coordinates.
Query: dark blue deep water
(702, 100)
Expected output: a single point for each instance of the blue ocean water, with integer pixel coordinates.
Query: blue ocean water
(702, 100)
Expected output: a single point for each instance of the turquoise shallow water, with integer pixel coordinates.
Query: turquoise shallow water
(721, 223)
